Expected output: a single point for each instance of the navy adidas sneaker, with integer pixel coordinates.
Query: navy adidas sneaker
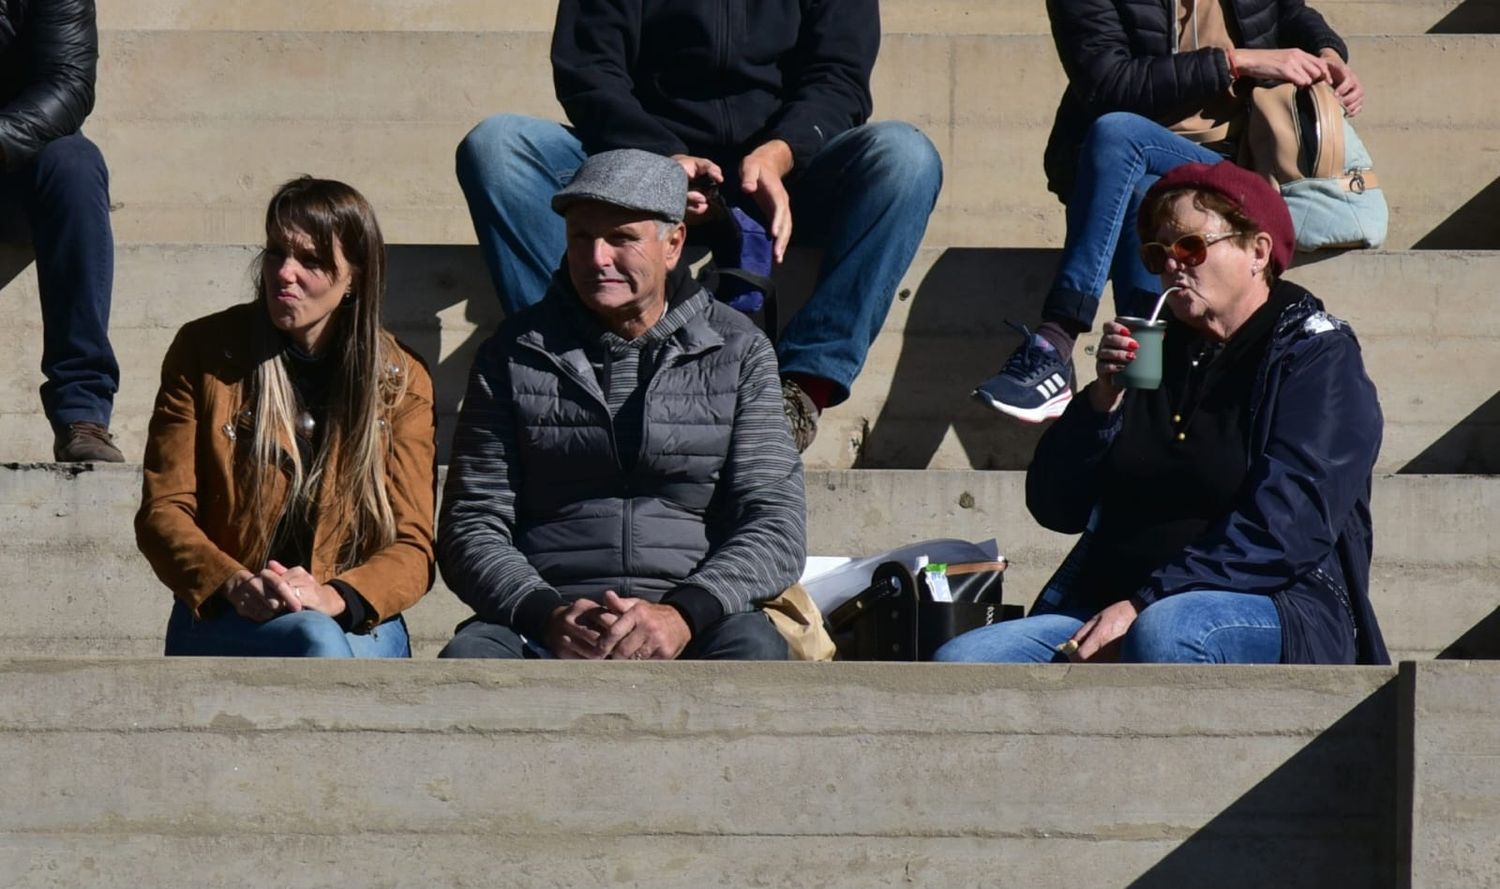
(1036, 384)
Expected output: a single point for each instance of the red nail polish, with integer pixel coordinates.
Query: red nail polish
(1133, 345)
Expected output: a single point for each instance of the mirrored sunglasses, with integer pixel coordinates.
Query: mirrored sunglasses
(1188, 250)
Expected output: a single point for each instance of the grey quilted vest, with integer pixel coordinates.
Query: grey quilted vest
(583, 522)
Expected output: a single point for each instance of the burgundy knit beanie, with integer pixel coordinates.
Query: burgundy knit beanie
(1253, 195)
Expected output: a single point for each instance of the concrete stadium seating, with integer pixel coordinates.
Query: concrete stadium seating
(135, 771)
(292, 774)
(910, 409)
(89, 592)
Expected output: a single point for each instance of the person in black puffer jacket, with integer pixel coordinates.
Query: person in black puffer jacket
(1152, 84)
(54, 192)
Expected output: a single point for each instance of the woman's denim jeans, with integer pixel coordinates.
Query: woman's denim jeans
(306, 633)
(1200, 627)
(864, 199)
(1122, 156)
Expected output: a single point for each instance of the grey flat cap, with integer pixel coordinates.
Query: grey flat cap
(629, 178)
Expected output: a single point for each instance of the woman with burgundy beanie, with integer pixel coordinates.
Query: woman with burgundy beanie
(1151, 84)
(1226, 514)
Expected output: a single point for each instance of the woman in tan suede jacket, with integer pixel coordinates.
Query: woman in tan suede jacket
(289, 468)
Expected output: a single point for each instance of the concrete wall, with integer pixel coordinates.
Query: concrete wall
(896, 16)
(86, 590)
(1450, 773)
(223, 773)
(194, 169)
(909, 409)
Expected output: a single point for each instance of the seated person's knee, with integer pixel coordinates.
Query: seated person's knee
(314, 634)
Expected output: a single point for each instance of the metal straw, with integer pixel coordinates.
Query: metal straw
(1160, 301)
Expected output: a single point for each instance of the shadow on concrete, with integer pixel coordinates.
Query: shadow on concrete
(436, 287)
(1326, 817)
(1303, 260)
(1474, 226)
(15, 258)
(432, 287)
(956, 337)
(1471, 447)
(1480, 642)
(1470, 17)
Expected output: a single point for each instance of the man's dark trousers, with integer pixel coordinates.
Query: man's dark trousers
(60, 202)
(748, 636)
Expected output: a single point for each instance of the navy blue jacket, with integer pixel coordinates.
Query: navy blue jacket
(714, 78)
(1121, 55)
(1301, 532)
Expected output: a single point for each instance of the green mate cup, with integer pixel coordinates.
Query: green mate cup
(1145, 371)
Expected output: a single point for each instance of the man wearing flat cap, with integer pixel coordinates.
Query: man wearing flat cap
(623, 483)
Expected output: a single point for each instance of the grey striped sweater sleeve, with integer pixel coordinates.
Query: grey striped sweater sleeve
(766, 547)
(476, 545)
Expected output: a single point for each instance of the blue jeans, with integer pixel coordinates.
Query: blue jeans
(864, 199)
(306, 633)
(1122, 156)
(60, 203)
(1200, 627)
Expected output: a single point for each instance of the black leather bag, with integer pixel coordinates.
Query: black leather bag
(896, 619)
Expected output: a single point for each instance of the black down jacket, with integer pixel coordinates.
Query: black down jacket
(1121, 55)
(48, 52)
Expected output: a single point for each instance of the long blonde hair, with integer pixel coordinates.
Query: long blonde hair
(370, 379)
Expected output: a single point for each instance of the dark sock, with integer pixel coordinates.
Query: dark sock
(817, 388)
(1061, 340)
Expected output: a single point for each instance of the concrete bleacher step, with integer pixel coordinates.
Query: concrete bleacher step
(123, 773)
(1426, 320)
(1350, 17)
(389, 107)
(86, 590)
(218, 773)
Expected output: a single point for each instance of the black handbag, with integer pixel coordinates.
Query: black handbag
(896, 618)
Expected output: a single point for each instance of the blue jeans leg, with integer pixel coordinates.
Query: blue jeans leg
(1206, 627)
(303, 634)
(1030, 640)
(865, 199)
(509, 166)
(1121, 156)
(63, 199)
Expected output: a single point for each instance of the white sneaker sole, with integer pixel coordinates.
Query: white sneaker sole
(1049, 410)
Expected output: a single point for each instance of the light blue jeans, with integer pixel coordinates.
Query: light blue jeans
(1199, 627)
(306, 633)
(864, 199)
(1121, 158)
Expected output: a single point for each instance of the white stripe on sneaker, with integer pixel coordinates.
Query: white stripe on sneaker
(1053, 407)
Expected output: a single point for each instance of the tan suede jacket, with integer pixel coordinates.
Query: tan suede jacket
(187, 524)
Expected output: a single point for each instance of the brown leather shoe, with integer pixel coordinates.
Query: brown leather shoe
(86, 443)
(801, 414)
